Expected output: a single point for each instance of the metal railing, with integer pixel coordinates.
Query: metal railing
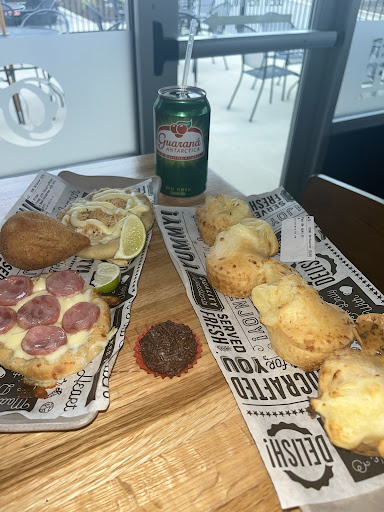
(94, 15)
(371, 10)
(97, 15)
(204, 10)
(82, 15)
(299, 10)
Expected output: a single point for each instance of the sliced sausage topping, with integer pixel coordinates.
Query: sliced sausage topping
(42, 340)
(41, 310)
(64, 283)
(80, 317)
(13, 289)
(7, 319)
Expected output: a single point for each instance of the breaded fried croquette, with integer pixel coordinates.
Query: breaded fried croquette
(32, 240)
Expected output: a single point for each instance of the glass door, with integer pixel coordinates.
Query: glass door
(80, 84)
(67, 83)
(252, 96)
(268, 130)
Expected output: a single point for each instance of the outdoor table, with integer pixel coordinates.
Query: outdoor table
(163, 444)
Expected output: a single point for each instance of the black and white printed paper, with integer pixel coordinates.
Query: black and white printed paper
(87, 392)
(272, 394)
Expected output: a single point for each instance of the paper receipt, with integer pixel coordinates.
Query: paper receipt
(298, 239)
(44, 192)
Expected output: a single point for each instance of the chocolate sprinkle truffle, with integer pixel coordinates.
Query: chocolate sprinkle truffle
(168, 348)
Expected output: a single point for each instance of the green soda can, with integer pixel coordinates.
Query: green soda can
(181, 122)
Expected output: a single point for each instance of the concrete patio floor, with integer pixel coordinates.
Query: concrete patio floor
(249, 155)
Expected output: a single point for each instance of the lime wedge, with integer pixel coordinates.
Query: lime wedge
(107, 277)
(132, 238)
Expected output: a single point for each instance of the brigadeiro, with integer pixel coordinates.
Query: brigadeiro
(167, 349)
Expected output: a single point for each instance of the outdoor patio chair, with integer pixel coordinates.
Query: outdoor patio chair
(47, 19)
(32, 6)
(290, 58)
(221, 9)
(186, 16)
(184, 23)
(261, 66)
(103, 22)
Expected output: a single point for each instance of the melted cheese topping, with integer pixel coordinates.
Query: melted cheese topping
(114, 203)
(13, 338)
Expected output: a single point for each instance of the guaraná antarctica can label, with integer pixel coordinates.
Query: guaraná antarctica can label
(181, 122)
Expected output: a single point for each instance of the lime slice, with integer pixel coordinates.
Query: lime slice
(132, 238)
(107, 277)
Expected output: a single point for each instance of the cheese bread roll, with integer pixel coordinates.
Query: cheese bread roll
(303, 328)
(236, 262)
(351, 401)
(218, 213)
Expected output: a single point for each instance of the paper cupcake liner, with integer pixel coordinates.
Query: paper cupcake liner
(142, 365)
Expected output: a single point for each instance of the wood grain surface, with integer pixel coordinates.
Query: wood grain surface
(164, 444)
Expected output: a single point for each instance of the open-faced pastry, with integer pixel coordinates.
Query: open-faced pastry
(100, 216)
(51, 326)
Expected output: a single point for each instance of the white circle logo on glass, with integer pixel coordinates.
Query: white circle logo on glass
(32, 105)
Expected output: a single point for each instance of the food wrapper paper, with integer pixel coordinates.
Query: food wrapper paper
(273, 395)
(77, 399)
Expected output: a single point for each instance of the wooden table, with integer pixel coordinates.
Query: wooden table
(163, 445)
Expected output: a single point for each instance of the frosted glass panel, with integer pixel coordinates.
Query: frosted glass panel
(362, 90)
(78, 101)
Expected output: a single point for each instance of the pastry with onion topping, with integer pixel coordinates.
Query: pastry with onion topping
(100, 216)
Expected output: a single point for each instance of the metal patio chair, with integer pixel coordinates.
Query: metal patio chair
(184, 23)
(221, 9)
(32, 6)
(290, 58)
(44, 19)
(262, 66)
(103, 22)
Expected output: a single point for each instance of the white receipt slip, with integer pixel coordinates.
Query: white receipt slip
(297, 239)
